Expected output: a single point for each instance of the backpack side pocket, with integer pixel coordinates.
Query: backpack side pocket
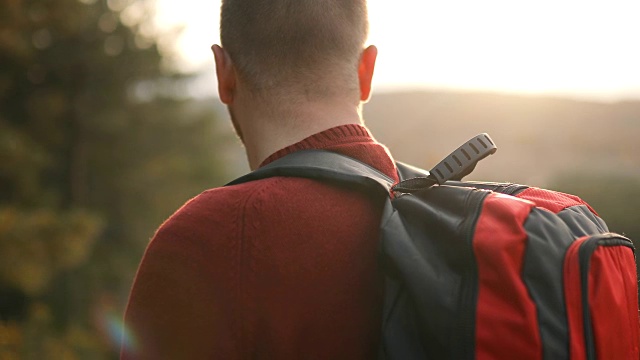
(601, 293)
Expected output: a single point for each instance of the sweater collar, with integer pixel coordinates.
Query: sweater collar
(339, 135)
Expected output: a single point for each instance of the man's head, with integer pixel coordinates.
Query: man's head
(291, 68)
(301, 48)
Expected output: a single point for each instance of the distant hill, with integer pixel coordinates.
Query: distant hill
(539, 138)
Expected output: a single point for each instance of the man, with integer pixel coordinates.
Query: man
(281, 268)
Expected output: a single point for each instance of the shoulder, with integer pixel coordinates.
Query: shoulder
(214, 210)
(222, 210)
(220, 217)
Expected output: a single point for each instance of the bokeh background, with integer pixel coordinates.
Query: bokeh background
(109, 122)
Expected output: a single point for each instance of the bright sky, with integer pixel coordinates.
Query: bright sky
(578, 48)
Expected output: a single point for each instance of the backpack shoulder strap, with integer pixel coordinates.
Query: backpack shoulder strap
(327, 165)
(321, 165)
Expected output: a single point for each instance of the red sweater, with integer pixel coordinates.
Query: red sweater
(280, 268)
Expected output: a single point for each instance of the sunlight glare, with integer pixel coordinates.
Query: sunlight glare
(544, 46)
(541, 46)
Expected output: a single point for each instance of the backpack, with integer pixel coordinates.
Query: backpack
(478, 270)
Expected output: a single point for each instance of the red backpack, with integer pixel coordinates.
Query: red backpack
(489, 270)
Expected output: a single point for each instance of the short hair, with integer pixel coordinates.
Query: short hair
(312, 45)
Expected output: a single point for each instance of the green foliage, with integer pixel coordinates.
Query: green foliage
(88, 169)
(37, 244)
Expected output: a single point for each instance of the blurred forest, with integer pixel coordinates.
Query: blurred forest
(99, 144)
(97, 148)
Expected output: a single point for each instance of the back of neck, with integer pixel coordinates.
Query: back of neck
(265, 132)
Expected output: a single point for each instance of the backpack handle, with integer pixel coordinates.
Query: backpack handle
(457, 165)
(463, 160)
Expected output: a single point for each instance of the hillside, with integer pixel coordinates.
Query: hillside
(539, 138)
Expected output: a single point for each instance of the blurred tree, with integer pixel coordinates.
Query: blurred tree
(92, 158)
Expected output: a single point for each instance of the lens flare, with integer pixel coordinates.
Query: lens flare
(114, 331)
(118, 332)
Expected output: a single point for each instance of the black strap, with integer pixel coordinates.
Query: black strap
(322, 165)
(326, 165)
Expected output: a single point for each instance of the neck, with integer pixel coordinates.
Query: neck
(266, 131)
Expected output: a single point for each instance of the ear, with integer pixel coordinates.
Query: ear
(225, 73)
(365, 71)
